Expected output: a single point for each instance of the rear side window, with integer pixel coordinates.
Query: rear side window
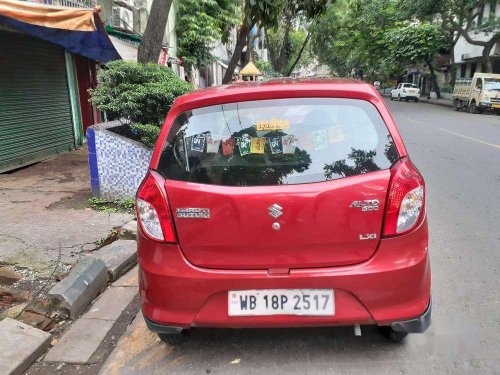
(273, 142)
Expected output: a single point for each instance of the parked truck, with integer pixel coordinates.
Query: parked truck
(478, 94)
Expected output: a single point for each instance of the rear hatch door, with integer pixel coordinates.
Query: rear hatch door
(307, 189)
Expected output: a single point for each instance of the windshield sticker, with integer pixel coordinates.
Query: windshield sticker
(272, 124)
(198, 142)
(212, 144)
(335, 135)
(289, 144)
(257, 145)
(228, 146)
(276, 145)
(320, 140)
(244, 144)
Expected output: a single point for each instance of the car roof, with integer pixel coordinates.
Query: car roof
(277, 88)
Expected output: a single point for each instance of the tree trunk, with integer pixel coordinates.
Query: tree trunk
(149, 49)
(285, 47)
(486, 59)
(240, 43)
(299, 55)
(250, 41)
(434, 80)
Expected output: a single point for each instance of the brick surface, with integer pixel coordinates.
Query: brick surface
(80, 342)
(111, 303)
(118, 257)
(20, 346)
(85, 281)
(130, 279)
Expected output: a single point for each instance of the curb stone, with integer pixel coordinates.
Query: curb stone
(84, 282)
(119, 257)
(20, 346)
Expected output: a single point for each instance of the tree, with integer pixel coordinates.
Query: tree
(350, 39)
(459, 18)
(414, 44)
(286, 50)
(266, 14)
(200, 23)
(151, 43)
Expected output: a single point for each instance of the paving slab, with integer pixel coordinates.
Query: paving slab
(20, 346)
(118, 257)
(85, 281)
(130, 279)
(111, 303)
(80, 342)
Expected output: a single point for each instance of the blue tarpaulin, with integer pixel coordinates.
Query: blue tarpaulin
(92, 42)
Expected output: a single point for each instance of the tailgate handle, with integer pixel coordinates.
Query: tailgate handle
(278, 271)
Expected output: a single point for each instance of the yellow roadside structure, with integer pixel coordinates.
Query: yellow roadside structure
(250, 72)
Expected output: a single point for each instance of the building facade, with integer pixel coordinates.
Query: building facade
(468, 57)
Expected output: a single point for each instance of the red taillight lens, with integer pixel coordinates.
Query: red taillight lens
(153, 213)
(406, 199)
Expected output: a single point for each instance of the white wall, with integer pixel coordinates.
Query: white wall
(464, 48)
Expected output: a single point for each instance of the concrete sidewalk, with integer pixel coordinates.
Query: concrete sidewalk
(45, 228)
(440, 102)
(45, 215)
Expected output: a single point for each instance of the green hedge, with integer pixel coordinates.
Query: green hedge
(140, 93)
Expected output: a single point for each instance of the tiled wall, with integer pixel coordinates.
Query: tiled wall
(117, 164)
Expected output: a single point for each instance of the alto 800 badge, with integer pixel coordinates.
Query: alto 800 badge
(193, 213)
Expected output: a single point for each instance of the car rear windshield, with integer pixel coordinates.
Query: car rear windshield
(273, 142)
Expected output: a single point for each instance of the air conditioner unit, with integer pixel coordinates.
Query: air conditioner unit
(122, 18)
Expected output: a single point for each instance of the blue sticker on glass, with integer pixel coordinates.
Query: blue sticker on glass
(198, 142)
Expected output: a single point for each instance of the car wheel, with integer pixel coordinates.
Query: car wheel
(497, 112)
(416, 100)
(392, 97)
(456, 105)
(407, 100)
(391, 334)
(473, 107)
(399, 98)
(174, 339)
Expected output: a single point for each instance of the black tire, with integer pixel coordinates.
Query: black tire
(415, 100)
(174, 339)
(399, 97)
(406, 100)
(392, 98)
(456, 105)
(473, 107)
(497, 112)
(389, 333)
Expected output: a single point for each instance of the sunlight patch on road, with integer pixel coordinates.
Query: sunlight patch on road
(470, 138)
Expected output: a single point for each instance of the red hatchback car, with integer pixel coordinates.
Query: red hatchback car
(283, 204)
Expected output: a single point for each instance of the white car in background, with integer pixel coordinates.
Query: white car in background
(406, 91)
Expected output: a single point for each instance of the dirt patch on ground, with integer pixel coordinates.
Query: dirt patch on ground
(75, 201)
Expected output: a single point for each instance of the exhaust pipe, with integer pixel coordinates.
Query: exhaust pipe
(357, 330)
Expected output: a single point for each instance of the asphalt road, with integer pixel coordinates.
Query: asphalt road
(459, 156)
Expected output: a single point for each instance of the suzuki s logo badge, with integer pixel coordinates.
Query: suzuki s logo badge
(275, 210)
(193, 213)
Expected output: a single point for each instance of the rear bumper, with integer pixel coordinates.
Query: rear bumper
(391, 288)
(416, 325)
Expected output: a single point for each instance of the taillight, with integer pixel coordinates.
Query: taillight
(153, 213)
(406, 199)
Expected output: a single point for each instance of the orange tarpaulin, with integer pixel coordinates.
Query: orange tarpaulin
(76, 19)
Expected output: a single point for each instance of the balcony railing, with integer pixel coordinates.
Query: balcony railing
(68, 3)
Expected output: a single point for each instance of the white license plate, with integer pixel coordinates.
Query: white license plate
(314, 302)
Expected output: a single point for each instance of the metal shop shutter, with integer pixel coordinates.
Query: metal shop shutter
(35, 108)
